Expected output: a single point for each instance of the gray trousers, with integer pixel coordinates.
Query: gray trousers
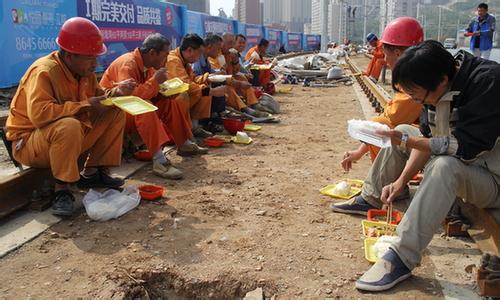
(445, 178)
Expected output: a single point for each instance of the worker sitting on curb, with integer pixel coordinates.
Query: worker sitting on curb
(240, 45)
(462, 158)
(377, 62)
(200, 94)
(256, 56)
(400, 109)
(170, 121)
(240, 95)
(56, 115)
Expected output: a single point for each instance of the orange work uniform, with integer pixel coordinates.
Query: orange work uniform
(233, 97)
(400, 110)
(51, 122)
(377, 62)
(157, 128)
(264, 76)
(199, 105)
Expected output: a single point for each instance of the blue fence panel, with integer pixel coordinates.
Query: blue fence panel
(274, 38)
(125, 23)
(28, 31)
(311, 42)
(294, 41)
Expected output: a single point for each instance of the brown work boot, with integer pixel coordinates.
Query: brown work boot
(191, 149)
(202, 133)
(166, 170)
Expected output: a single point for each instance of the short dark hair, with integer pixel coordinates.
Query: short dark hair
(393, 47)
(483, 5)
(241, 36)
(263, 43)
(424, 65)
(212, 39)
(155, 41)
(193, 41)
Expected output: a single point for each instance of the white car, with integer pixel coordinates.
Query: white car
(450, 43)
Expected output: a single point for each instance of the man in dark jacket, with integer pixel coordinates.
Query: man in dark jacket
(461, 159)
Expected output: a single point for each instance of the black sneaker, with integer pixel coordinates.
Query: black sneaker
(100, 179)
(356, 205)
(63, 203)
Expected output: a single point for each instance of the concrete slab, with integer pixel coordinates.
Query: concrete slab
(24, 226)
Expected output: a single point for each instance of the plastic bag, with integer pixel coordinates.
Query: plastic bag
(111, 204)
(365, 131)
(382, 244)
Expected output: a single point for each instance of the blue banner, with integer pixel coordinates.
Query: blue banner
(254, 33)
(203, 24)
(311, 42)
(125, 23)
(275, 40)
(294, 41)
(28, 32)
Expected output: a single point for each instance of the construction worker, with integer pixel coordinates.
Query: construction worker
(397, 37)
(377, 62)
(56, 115)
(240, 95)
(240, 45)
(146, 65)
(256, 54)
(481, 30)
(200, 94)
(461, 156)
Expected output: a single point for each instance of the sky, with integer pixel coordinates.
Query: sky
(227, 5)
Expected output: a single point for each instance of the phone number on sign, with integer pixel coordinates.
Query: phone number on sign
(31, 43)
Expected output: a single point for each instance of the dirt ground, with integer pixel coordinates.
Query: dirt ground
(243, 217)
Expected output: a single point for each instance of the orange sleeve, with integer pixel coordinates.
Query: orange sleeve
(147, 90)
(42, 107)
(401, 110)
(176, 69)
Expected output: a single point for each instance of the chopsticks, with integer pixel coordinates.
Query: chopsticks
(388, 220)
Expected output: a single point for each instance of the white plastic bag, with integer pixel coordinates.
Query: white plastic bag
(111, 204)
(365, 131)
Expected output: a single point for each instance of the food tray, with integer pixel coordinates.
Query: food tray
(173, 87)
(374, 213)
(252, 127)
(370, 254)
(379, 228)
(355, 184)
(131, 104)
(218, 78)
(262, 67)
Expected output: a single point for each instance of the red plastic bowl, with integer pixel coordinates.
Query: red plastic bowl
(143, 155)
(214, 142)
(232, 126)
(151, 192)
(382, 214)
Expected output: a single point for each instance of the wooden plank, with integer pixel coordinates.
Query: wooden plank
(485, 227)
(16, 190)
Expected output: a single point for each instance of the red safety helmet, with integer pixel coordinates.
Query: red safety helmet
(81, 36)
(404, 31)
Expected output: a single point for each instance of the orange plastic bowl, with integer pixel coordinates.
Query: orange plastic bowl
(151, 192)
(379, 215)
(214, 142)
(143, 155)
(232, 126)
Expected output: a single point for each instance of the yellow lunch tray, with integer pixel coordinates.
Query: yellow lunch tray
(252, 127)
(380, 228)
(173, 87)
(356, 186)
(285, 90)
(130, 104)
(234, 139)
(370, 255)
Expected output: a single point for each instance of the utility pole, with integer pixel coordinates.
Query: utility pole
(324, 24)
(424, 23)
(439, 25)
(418, 11)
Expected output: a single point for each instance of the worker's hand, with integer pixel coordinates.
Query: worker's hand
(160, 75)
(95, 103)
(125, 88)
(219, 91)
(477, 33)
(391, 191)
(349, 158)
(394, 135)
